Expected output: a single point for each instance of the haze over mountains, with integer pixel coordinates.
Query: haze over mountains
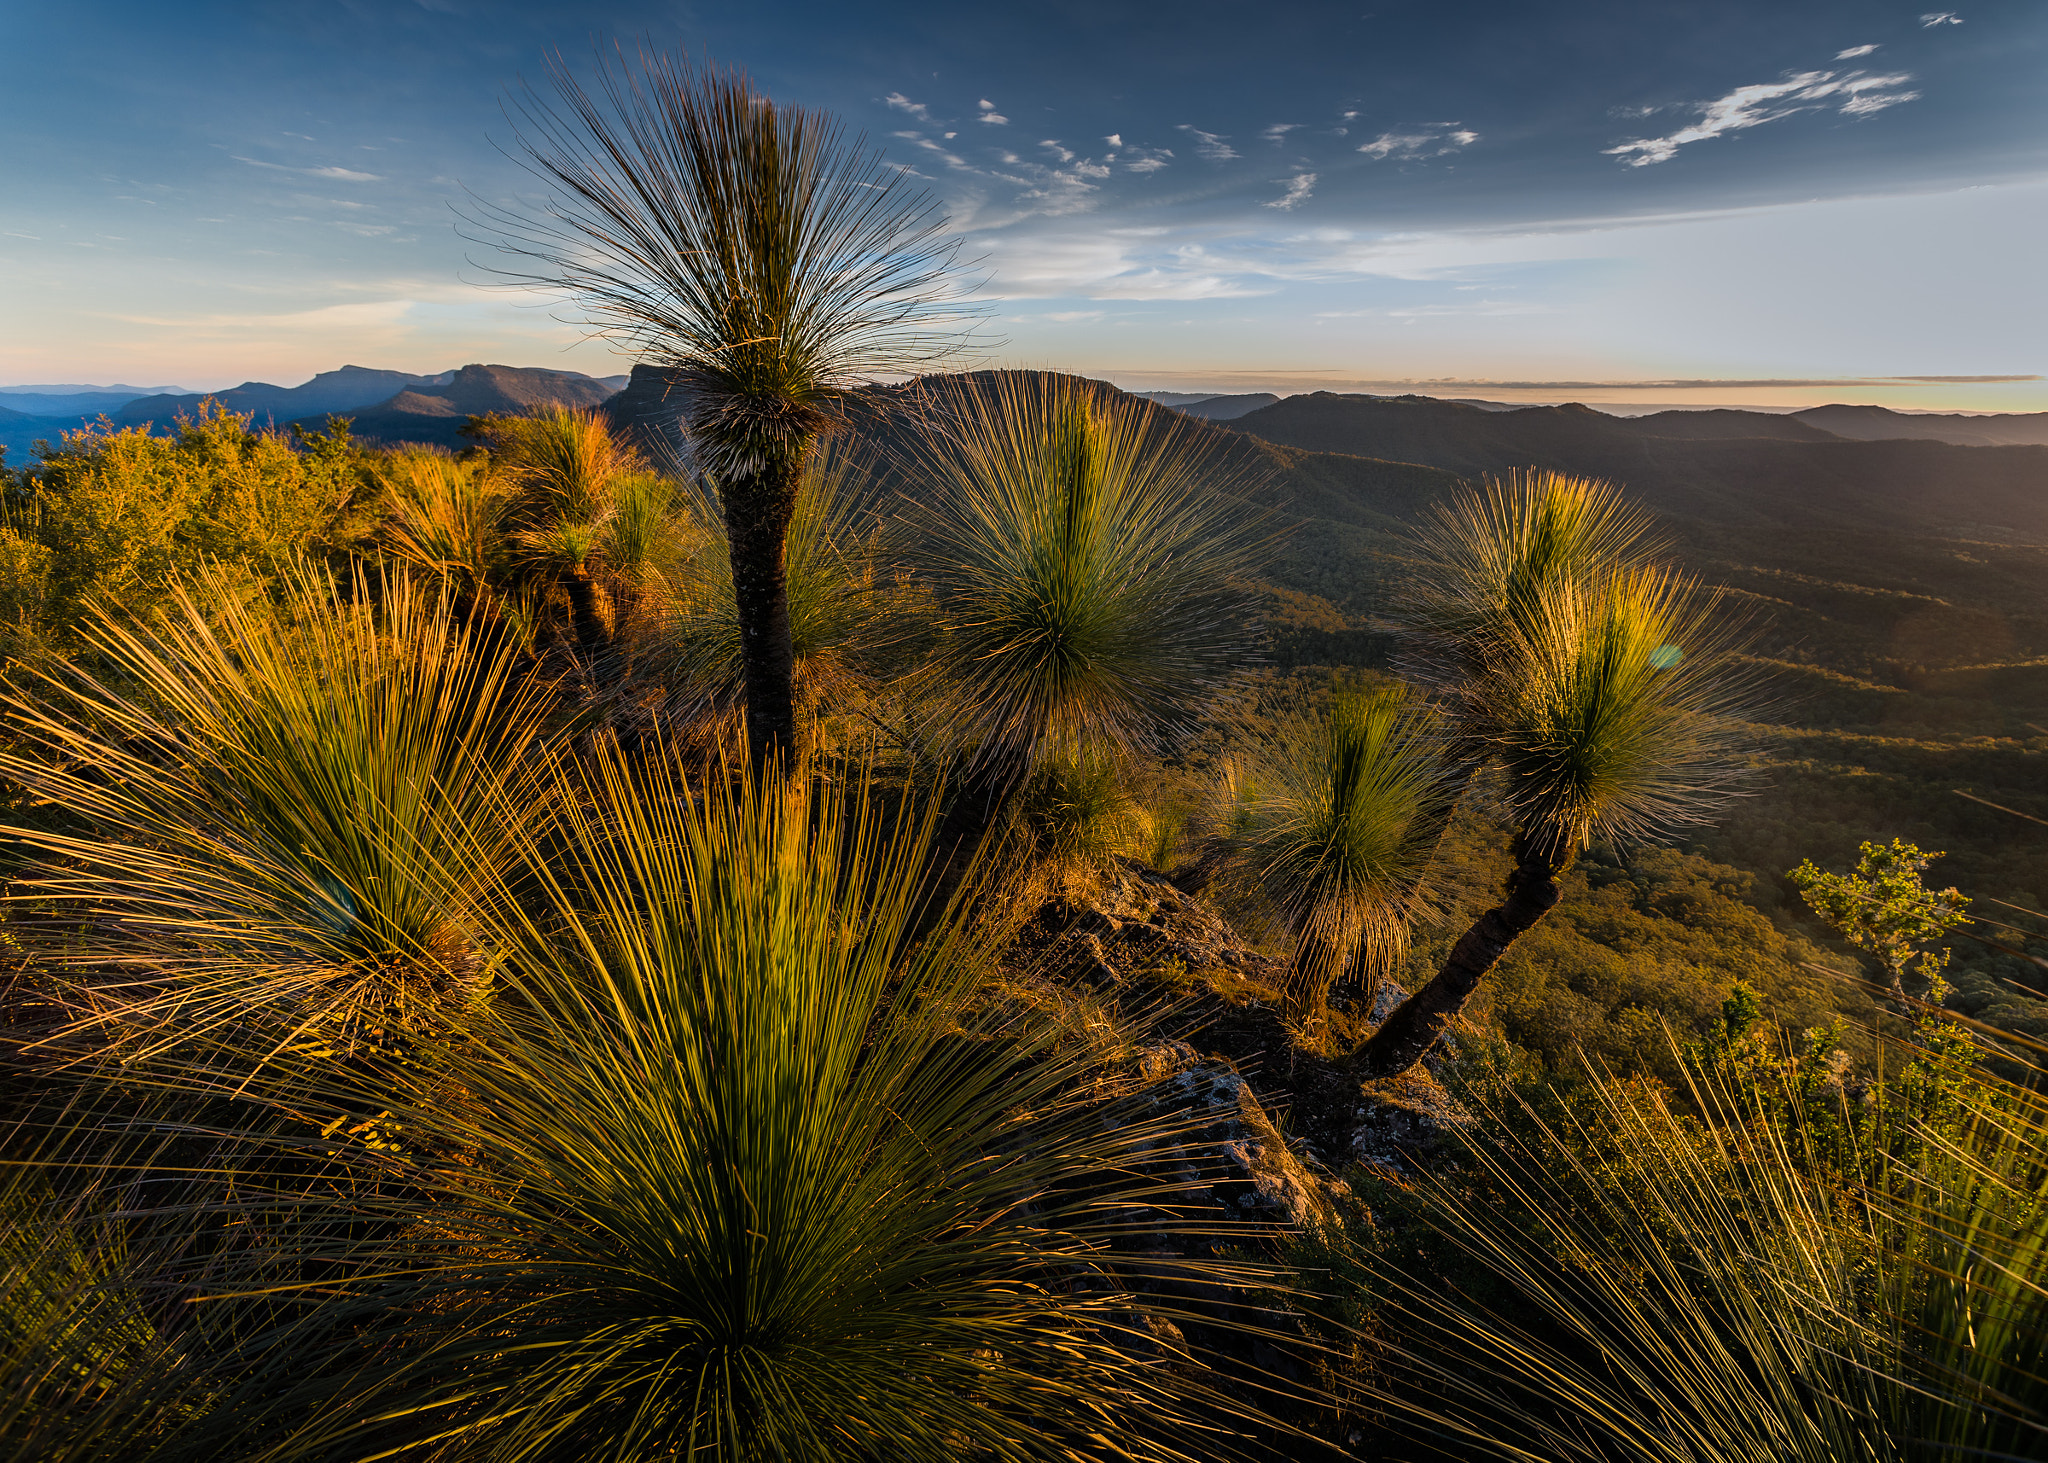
(403, 406)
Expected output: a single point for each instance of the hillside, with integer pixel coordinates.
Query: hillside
(435, 411)
(1896, 591)
(1877, 424)
(340, 390)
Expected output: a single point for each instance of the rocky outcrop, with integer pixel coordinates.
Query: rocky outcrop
(1138, 942)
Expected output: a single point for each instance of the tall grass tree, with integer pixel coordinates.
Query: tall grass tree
(1596, 683)
(758, 257)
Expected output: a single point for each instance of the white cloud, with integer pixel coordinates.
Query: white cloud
(1863, 106)
(346, 175)
(902, 103)
(1853, 52)
(1052, 146)
(1299, 189)
(1940, 17)
(1115, 139)
(1209, 144)
(1437, 139)
(1278, 131)
(1146, 159)
(1856, 93)
(990, 115)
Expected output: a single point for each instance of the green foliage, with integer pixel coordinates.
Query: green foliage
(1079, 815)
(1885, 908)
(1078, 552)
(274, 817)
(1494, 562)
(121, 516)
(1776, 1271)
(746, 1173)
(1334, 827)
(445, 518)
(1642, 941)
(1606, 710)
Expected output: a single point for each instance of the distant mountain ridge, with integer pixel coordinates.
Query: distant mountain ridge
(1881, 424)
(67, 401)
(1733, 467)
(392, 406)
(341, 390)
(435, 410)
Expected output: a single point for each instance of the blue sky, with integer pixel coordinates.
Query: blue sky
(1533, 201)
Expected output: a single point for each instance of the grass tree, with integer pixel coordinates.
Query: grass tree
(267, 821)
(762, 260)
(1338, 827)
(1592, 679)
(1082, 553)
(588, 519)
(746, 1174)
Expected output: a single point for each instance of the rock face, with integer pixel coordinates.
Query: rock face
(1138, 942)
(1241, 1170)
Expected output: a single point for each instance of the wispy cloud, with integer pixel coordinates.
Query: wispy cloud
(345, 175)
(1855, 93)
(1940, 17)
(1299, 189)
(1209, 144)
(1278, 131)
(952, 159)
(990, 115)
(1853, 52)
(1052, 145)
(899, 102)
(1434, 140)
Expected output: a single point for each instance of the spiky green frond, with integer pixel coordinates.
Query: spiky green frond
(564, 464)
(745, 1175)
(1334, 830)
(87, 1373)
(444, 516)
(1607, 709)
(1487, 561)
(747, 246)
(275, 817)
(1081, 551)
(1691, 1290)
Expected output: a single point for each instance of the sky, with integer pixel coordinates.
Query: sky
(1642, 202)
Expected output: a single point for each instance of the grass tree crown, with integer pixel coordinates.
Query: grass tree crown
(748, 247)
(1083, 553)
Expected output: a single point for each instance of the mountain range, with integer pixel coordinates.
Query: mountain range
(394, 406)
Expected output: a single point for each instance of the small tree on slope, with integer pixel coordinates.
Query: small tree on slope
(1589, 676)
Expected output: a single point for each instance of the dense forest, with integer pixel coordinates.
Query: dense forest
(772, 917)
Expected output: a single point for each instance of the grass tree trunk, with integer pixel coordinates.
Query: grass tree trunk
(1316, 965)
(756, 529)
(979, 799)
(586, 624)
(1418, 1023)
